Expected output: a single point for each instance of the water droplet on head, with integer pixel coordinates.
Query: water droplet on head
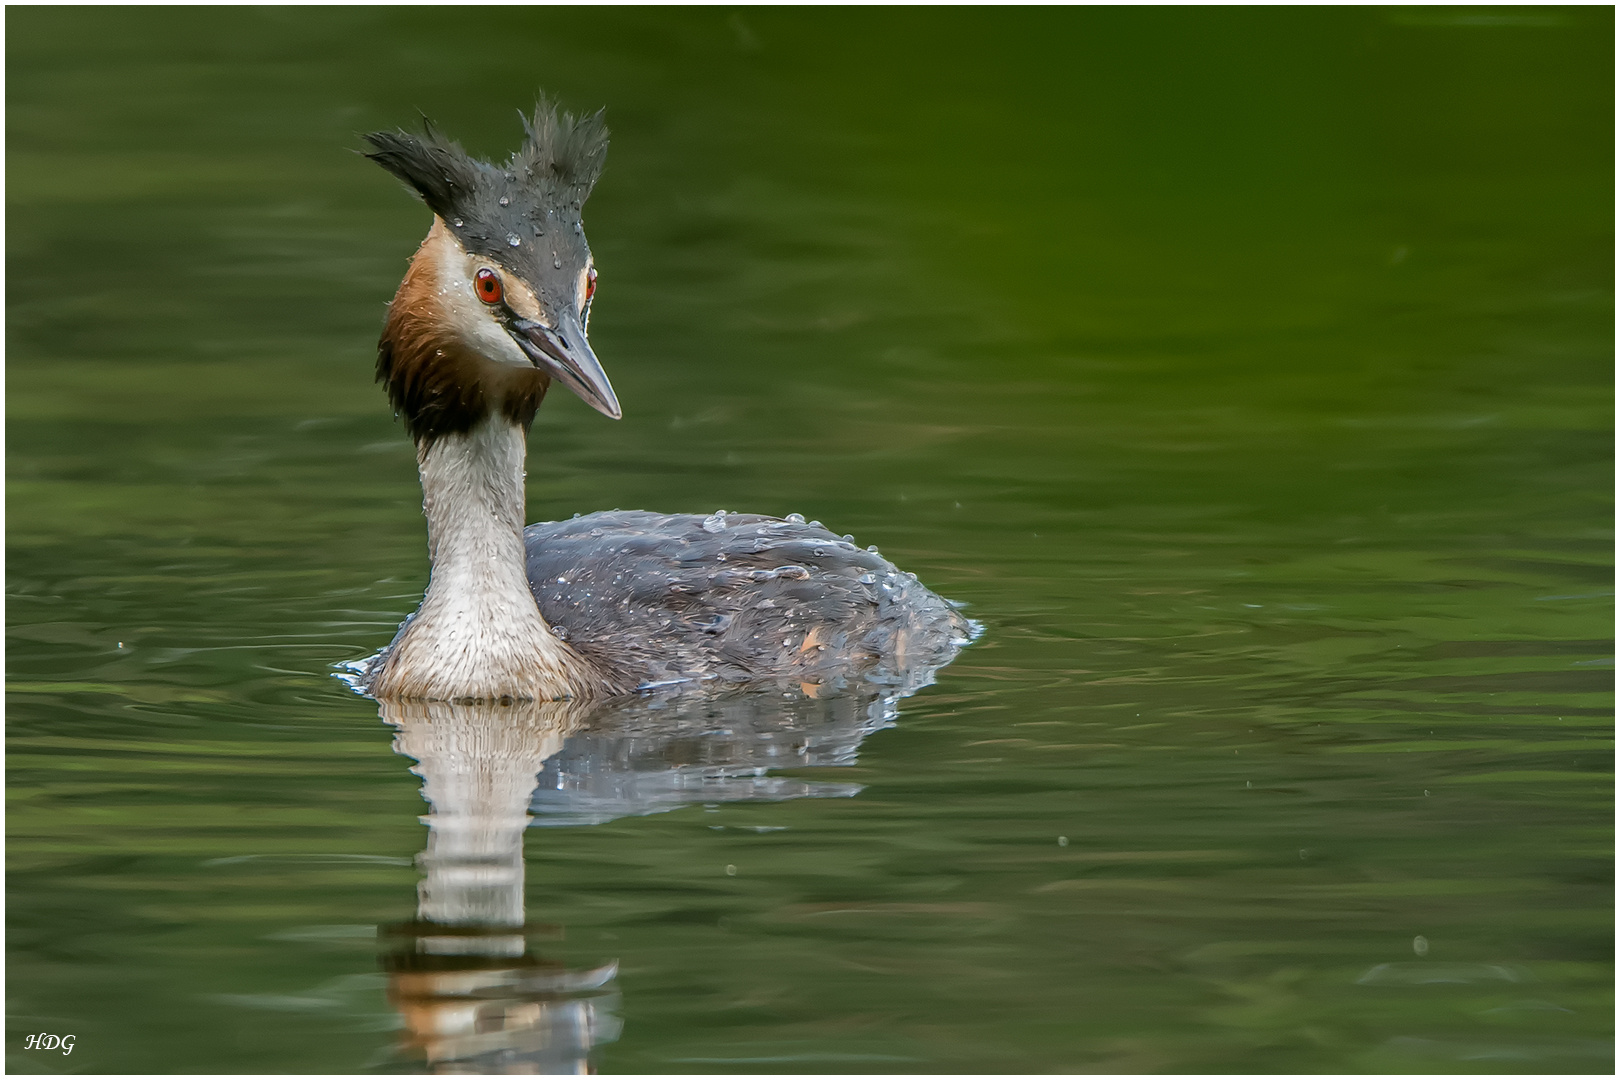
(556, 264)
(457, 222)
(715, 522)
(505, 201)
(512, 240)
(797, 519)
(561, 632)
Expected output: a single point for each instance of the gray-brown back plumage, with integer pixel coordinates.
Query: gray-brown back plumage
(655, 599)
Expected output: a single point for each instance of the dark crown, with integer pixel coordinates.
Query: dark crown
(550, 176)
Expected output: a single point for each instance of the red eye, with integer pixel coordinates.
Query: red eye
(590, 284)
(488, 284)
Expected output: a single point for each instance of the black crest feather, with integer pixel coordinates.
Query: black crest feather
(571, 151)
(438, 168)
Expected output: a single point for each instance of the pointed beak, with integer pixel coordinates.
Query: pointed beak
(564, 354)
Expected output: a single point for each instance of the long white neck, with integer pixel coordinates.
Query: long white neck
(478, 634)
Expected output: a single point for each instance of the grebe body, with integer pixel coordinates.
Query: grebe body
(663, 599)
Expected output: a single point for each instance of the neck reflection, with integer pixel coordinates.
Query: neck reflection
(471, 990)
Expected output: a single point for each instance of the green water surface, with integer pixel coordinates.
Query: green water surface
(1247, 372)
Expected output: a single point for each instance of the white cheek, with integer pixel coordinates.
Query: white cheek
(475, 325)
(467, 315)
(494, 342)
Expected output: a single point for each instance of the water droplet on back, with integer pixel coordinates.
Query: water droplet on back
(797, 519)
(556, 264)
(715, 522)
(505, 201)
(512, 240)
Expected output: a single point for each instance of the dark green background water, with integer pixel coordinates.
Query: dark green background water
(1248, 372)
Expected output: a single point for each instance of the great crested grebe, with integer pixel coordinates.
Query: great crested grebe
(494, 307)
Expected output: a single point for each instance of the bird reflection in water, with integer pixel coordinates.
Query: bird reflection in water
(473, 993)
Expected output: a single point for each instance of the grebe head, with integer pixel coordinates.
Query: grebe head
(497, 299)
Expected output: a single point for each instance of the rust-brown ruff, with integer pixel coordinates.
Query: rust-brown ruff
(438, 383)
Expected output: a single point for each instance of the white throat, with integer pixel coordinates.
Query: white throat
(478, 634)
